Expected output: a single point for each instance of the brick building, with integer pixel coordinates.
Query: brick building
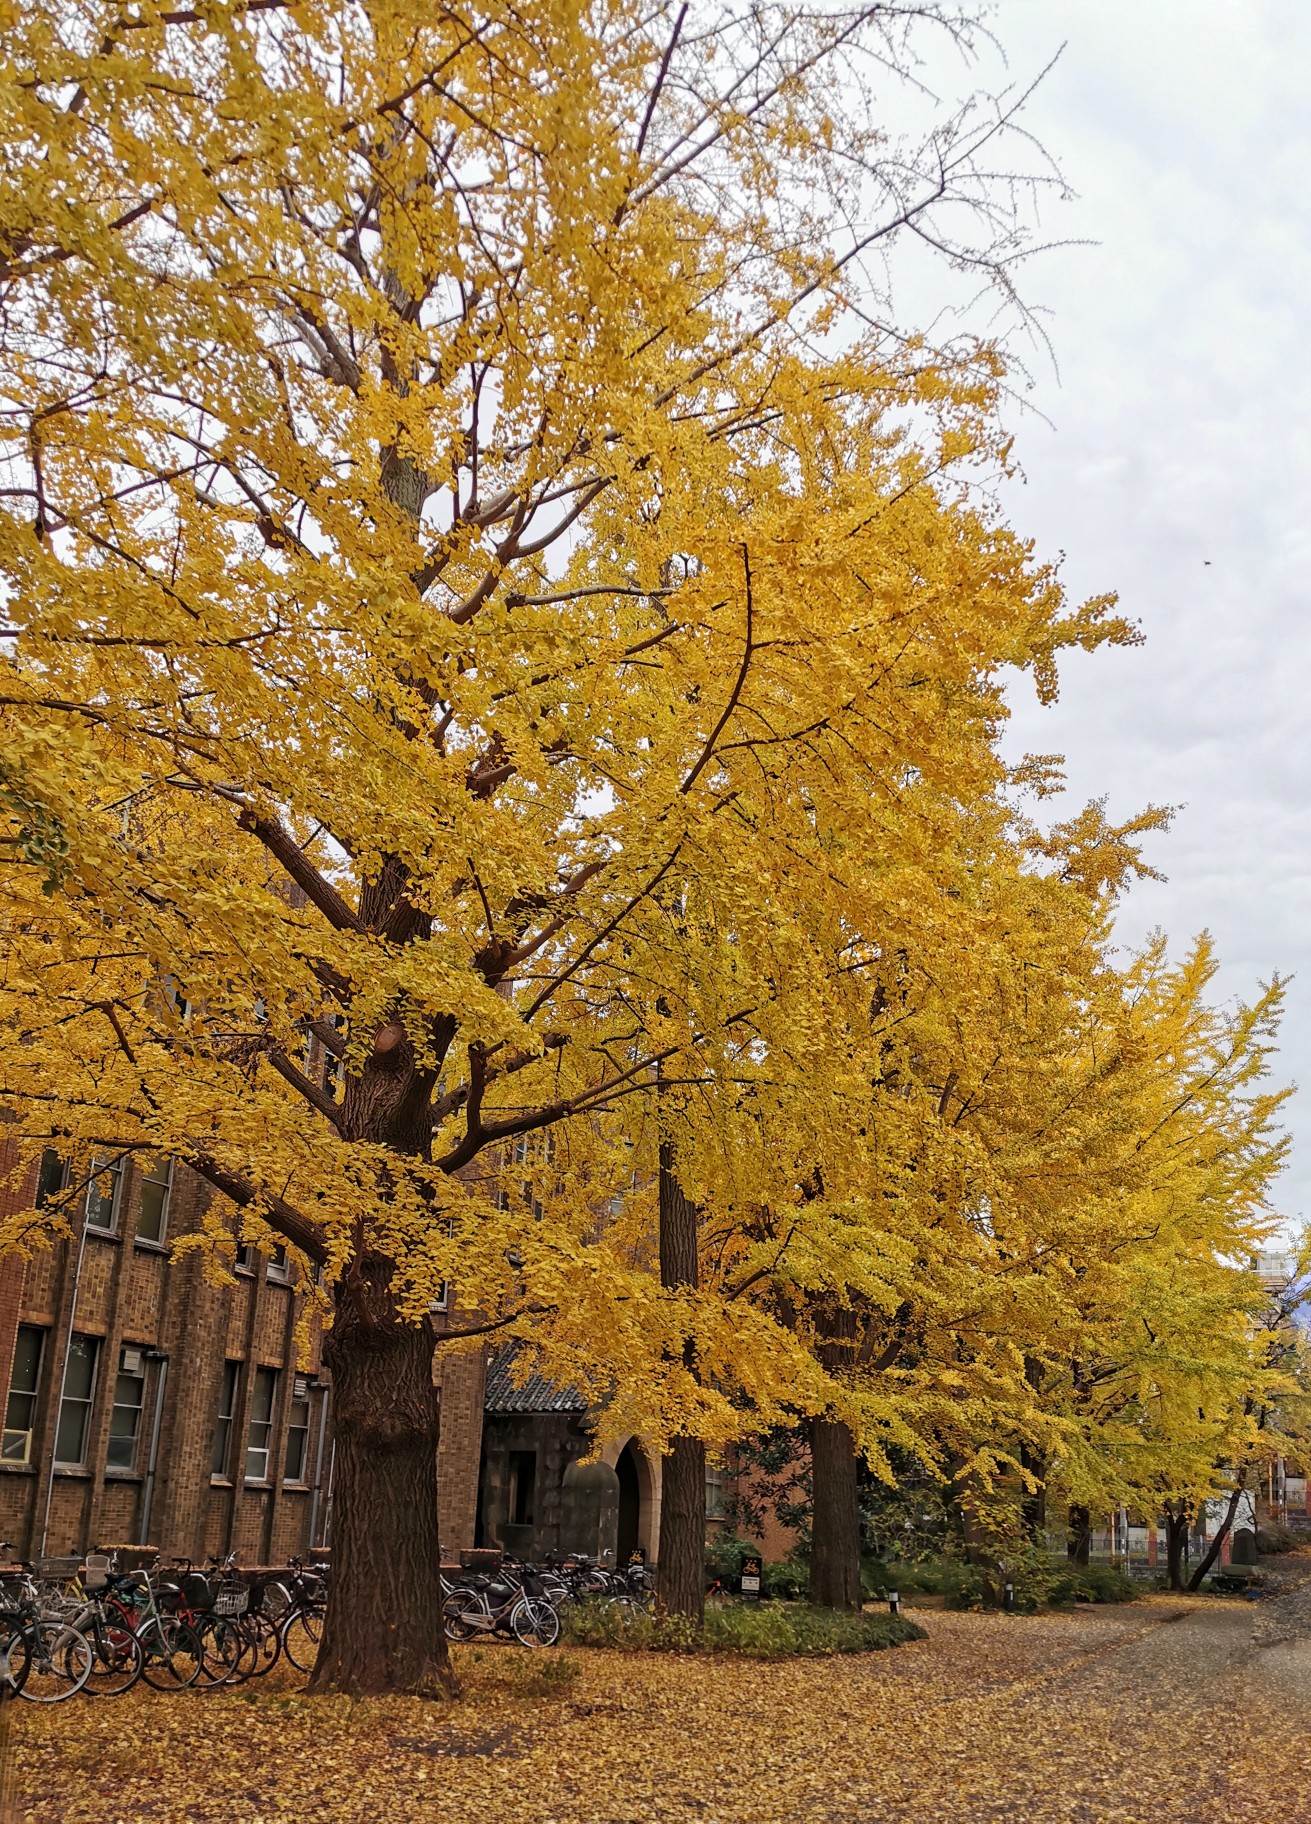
(145, 1404)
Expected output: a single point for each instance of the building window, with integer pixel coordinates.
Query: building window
(51, 1177)
(152, 1219)
(259, 1435)
(523, 1481)
(102, 1194)
(246, 1258)
(74, 1427)
(715, 1491)
(279, 1265)
(222, 1449)
(125, 1420)
(24, 1383)
(296, 1462)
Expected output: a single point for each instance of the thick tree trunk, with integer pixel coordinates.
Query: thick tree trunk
(384, 1626)
(1213, 1550)
(835, 1524)
(1078, 1545)
(681, 1580)
(680, 1577)
(1176, 1538)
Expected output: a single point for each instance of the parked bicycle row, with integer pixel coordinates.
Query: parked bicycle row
(524, 1601)
(70, 1626)
(89, 1627)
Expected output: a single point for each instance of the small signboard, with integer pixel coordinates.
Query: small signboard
(751, 1569)
(637, 1555)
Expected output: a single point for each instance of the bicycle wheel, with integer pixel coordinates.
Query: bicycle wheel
(15, 1661)
(222, 1650)
(117, 1662)
(60, 1664)
(174, 1655)
(534, 1622)
(267, 1642)
(301, 1633)
(454, 1623)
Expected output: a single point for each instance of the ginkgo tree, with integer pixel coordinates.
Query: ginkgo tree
(1014, 1225)
(461, 488)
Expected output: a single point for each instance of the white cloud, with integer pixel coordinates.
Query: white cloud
(1177, 464)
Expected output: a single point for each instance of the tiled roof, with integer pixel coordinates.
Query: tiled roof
(537, 1394)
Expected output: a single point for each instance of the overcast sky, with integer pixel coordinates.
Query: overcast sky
(1176, 467)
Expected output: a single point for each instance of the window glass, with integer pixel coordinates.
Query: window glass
(715, 1491)
(259, 1433)
(75, 1406)
(222, 1448)
(51, 1177)
(125, 1420)
(523, 1481)
(298, 1440)
(152, 1219)
(24, 1383)
(102, 1193)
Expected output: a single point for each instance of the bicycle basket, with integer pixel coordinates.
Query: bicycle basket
(231, 1599)
(96, 1574)
(56, 1570)
(193, 1588)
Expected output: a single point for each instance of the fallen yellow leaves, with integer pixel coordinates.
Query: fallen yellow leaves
(1168, 1711)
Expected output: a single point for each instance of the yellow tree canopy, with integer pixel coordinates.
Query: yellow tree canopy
(456, 505)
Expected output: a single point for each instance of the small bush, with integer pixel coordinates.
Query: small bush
(786, 1582)
(1275, 1538)
(1089, 1583)
(766, 1630)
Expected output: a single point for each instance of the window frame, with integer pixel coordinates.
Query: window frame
(86, 1401)
(120, 1405)
(115, 1172)
(294, 1430)
(220, 1462)
(44, 1191)
(148, 1178)
(32, 1394)
(517, 1486)
(262, 1375)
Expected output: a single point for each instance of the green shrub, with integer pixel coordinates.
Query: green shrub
(1274, 1538)
(765, 1630)
(786, 1582)
(1088, 1583)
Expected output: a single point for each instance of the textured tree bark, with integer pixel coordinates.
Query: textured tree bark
(680, 1576)
(1079, 1543)
(1176, 1537)
(384, 1624)
(835, 1524)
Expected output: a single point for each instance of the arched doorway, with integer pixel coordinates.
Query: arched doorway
(630, 1505)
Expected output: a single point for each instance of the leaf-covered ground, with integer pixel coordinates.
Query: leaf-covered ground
(1171, 1711)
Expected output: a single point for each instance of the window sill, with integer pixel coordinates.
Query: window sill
(18, 1469)
(77, 1471)
(95, 1234)
(295, 1488)
(144, 1245)
(221, 1482)
(122, 1475)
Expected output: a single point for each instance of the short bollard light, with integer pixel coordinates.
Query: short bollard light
(1008, 1598)
(894, 1602)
